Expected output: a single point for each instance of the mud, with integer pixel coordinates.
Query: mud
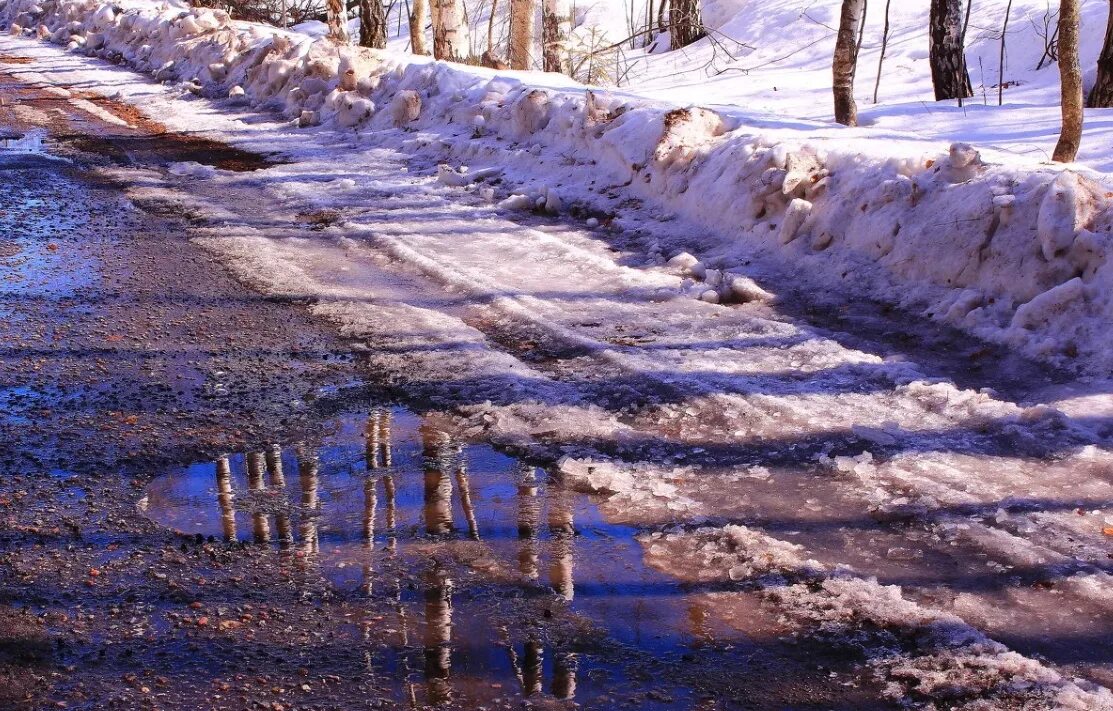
(135, 140)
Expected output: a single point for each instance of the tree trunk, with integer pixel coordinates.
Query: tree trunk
(1101, 96)
(417, 28)
(337, 17)
(521, 33)
(845, 62)
(1070, 74)
(884, 48)
(372, 24)
(962, 43)
(1001, 57)
(948, 67)
(685, 23)
(555, 20)
(450, 32)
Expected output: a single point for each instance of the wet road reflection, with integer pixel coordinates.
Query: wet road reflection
(472, 558)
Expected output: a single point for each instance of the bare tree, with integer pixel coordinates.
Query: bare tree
(337, 20)
(1001, 59)
(491, 28)
(845, 62)
(489, 58)
(450, 30)
(417, 28)
(555, 18)
(1101, 96)
(685, 22)
(884, 47)
(948, 66)
(372, 24)
(1070, 75)
(1048, 30)
(521, 33)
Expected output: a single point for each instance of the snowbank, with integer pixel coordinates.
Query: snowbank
(1016, 253)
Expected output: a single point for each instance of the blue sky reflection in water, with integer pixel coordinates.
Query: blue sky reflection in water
(455, 536)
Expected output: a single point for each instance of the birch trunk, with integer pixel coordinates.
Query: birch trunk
(1070, 73)
(417, 28)
(555, 21)
(521, 33)
(845, 62)
(337, 17)
(948, 66)
(450, 32)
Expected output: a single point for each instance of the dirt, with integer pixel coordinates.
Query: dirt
(142, 141)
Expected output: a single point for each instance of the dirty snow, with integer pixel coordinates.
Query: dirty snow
(927, 655)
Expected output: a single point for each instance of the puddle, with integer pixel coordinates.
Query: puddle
(168, 148)
(489, 580)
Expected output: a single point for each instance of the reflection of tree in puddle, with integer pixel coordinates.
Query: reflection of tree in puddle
(444, 484)
(529, 515)
(438, 632)
(225, 499)
(278, 482)
(255, 473)
(439, 457)
(308, 476)
(563, 533)
(529, 667)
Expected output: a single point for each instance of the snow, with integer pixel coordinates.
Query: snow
(782, 50)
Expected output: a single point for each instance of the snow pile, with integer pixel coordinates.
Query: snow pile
(924, 655)
(1014, 253)
(630, 487)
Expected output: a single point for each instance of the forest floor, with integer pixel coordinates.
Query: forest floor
(399, 468)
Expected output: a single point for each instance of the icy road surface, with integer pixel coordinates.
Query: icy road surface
(929, 511)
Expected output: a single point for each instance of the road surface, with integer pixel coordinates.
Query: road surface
(286, 429)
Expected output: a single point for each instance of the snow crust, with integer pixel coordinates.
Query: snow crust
(1012, 251)
(923, 654)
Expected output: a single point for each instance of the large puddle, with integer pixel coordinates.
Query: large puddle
(486, 580)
